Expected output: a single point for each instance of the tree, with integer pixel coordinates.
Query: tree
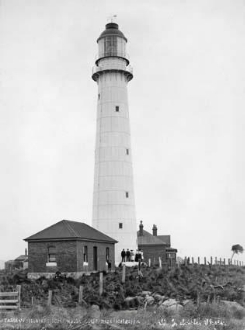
(237, 248)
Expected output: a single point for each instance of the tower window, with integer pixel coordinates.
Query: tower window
(127, 151)
(117, 108)
(120, 225)
(127, 194)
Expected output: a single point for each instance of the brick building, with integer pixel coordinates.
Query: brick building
(20, 262)
(155, 246)
(69, 247)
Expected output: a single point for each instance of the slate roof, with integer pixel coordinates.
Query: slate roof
(21, 258)
(149, 239)
(165, 238)
(67, 229)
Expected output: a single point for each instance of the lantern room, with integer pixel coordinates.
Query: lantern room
(112, 42)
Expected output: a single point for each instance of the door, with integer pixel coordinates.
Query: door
(95, 257)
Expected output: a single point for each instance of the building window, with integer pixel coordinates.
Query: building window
(120, 225)
(117, 108)
(107, 254)
(51, 254)
(127, 151)
(127, 194)
(85, 254)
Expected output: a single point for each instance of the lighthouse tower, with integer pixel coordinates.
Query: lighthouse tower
(113, 197)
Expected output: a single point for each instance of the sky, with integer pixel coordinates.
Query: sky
(187, 117)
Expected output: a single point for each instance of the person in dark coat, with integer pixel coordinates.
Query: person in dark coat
(123, 255)
(128, 255)
(136, 259)
(140, 255)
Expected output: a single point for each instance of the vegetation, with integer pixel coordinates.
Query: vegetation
(199, 289)
(237, 248)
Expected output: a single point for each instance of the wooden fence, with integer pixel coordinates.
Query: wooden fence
(10, 300)
(212, 261)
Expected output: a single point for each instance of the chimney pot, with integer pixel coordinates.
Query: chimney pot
(141, 229)
(154, 230)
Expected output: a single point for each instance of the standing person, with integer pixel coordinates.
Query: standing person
(123, 254)
(128, 255)
(136, 256)
(140, 254)
(131, 255)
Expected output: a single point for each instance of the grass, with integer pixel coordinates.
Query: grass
(192, 317)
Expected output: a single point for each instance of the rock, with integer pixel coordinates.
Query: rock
(158, 298)
(40, 309)
(140, 300)
(186, 302)
(131, 302)
(175, 308)
(169, 302)
(149, 300)
(232, 304)
(144, 293)
(95, 312)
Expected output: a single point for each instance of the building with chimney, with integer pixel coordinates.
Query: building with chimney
(156, 246)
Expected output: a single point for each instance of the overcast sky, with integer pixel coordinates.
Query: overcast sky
(187, 117)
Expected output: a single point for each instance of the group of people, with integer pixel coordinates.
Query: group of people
(129, 255)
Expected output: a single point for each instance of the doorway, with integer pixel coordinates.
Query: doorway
(95, 257)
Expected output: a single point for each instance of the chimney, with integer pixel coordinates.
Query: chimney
(141, 229)
(154, 230)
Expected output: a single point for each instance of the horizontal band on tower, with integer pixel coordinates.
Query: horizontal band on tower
(97, 71)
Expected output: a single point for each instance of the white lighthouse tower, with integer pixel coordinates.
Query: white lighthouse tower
(113, 198)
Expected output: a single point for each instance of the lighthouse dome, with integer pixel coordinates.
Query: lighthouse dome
(112, 30)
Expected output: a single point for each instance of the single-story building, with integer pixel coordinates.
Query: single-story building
(20, 262)
(156, 246)
(70, 247)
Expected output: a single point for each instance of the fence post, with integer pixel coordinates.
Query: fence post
(123, 273)
(198, 299)
(101, 284)
(149, 262)
(205, 261)
(80, 294)
(211, 260)
(19, 292)
(192, 261)
(198, 260)
(49, 297)
(160, 262)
